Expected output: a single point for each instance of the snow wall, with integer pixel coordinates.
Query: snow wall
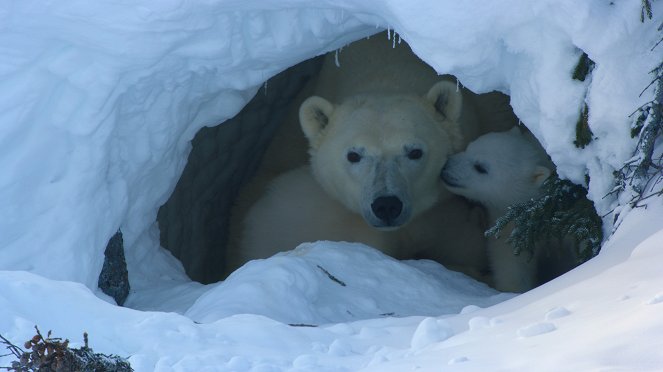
(101, 102)
(194, 221)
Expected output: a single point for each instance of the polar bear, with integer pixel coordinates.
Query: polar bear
(499, 170)
(368, 69)
(374, 171)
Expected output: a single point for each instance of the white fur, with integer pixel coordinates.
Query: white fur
(333, 198)
(499, 170)
(284, 218)
(296, 210)
(375, 72)
(382, 130)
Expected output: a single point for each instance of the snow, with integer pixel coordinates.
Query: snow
(331, 282)
(99, 101)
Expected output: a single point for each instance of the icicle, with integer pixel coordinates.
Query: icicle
(388, 33)
(399, 38)
(393, 43)
(457, 85)
(338, 64)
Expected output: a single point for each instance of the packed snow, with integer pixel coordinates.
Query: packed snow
(101, 99)
(331, 282)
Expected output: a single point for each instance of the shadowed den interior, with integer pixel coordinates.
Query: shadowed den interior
(195, 221)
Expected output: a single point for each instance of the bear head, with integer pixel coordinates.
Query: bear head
(498, 169)
(380, 154)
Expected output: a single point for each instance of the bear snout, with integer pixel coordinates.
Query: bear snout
(449, 180)
(448, 177)
(387, 209)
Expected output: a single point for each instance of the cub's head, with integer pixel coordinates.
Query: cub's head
(498, 169)
(380, 155)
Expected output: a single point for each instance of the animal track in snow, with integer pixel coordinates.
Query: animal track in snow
(536, 329)
(557, 312)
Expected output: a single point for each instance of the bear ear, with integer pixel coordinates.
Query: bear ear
(540, 174)
(314, 114)
(447, 99)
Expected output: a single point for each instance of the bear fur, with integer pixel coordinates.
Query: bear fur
(371, 75)
(499, 170)
(374, 171)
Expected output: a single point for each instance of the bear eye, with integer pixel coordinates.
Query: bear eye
(353, 157)
(415, 154)
(480, 168)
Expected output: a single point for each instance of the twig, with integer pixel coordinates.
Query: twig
(333, 278)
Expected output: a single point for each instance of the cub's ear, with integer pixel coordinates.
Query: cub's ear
(314, 115)
(447, 99)
(540, 174)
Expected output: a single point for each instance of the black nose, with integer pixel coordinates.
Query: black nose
(387, 208)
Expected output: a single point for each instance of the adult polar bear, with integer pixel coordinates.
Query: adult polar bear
(377, 141)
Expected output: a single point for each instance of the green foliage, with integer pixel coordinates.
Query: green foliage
(646, 10)
(642, 175)
(562, 212)
(114, 277)
(639, 123)
(583, 68)
(584, 134)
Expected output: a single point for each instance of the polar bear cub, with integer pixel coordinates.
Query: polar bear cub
(499, 170)
(374, 168)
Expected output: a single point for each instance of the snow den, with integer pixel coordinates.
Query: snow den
(150, 118)
(194, 222)
(123, 116)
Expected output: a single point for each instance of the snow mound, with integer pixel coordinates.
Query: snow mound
(331, 282)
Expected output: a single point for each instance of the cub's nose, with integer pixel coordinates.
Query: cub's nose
(387, 208)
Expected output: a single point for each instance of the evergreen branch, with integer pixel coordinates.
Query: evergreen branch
(583, 68)
(562, 212)
(642, 175)
(646, 10)
(584, 133)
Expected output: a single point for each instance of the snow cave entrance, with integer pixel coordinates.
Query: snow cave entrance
(194, 223)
